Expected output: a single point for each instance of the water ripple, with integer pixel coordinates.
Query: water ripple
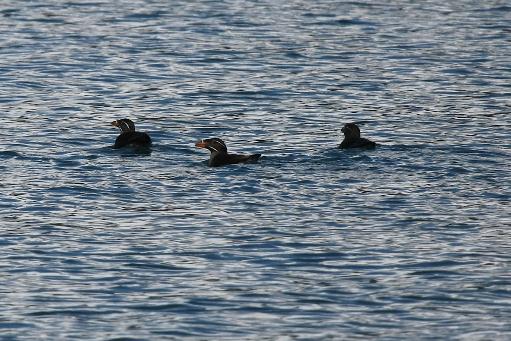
(407, 241)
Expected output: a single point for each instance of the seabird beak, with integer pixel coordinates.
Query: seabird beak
(201, 144)
(115, 124)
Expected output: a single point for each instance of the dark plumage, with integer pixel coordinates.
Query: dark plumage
(219, 155)
(128, 136)
(352, 138)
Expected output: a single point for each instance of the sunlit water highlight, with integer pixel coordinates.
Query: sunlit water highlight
(407, 241)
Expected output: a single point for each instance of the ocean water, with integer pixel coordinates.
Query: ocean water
(410, 240)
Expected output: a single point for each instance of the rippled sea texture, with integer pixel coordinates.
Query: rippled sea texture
(407, 241)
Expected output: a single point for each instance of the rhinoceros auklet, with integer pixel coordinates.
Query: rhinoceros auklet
(219, 155)
(128, 136)
(352, 138)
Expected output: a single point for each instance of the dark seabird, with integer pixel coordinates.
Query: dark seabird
(219, 155)
(352, 138)
(128, 136)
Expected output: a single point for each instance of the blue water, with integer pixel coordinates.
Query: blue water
(407, 241)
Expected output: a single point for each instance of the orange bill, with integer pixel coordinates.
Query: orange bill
(201, 144)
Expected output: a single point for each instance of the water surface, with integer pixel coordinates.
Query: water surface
(407, 241)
